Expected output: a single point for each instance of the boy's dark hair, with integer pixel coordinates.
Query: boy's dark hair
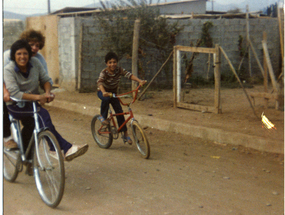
(19, 44)
(32, 35)
(111, 55)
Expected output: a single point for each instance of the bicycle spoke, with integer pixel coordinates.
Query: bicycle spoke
(11, 159)
(101, 133)
(141, 140)
(49, 170)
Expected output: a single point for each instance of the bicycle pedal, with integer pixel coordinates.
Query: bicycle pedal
(114, 132)
(11, 149)
(19, 166)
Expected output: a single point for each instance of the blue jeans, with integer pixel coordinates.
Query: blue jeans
(26, 114)
(116, 106)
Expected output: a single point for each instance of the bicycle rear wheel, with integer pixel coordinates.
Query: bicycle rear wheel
(141, 140)
(49, 169)
(11, 161)
(101, 133)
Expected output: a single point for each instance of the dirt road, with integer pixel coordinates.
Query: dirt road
(184, 175)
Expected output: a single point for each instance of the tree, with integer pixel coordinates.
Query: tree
(157, 35)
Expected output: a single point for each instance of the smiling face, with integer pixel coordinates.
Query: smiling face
(22, 57)
(35, 46)
(112, 65)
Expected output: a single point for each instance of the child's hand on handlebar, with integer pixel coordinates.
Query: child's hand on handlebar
(142, 82)
(107, 94)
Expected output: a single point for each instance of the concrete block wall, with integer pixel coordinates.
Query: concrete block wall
(224, 32)
(68, 40)
(92, 56)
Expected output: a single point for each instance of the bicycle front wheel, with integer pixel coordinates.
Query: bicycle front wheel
(49, 169)
(141, 140)
(11, 161)
(101, 133)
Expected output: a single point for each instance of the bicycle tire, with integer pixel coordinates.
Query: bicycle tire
(49, 169)
(102, 140)
(11, 160)
(140, 140)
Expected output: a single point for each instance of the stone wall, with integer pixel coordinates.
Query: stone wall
(224, 32)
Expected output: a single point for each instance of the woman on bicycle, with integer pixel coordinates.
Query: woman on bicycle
(22, 77)
(37, 41)
(108, 83)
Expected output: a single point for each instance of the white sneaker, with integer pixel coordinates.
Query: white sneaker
(75, 151)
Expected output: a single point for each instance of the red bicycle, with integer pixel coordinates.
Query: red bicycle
(104, 134)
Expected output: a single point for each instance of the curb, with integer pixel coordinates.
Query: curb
(212, 134)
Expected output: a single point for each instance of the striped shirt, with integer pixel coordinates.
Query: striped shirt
(111, 81)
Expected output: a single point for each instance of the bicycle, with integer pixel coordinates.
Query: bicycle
(48, 169)
(104, 134)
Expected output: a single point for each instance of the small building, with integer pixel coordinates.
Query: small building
(182, 7)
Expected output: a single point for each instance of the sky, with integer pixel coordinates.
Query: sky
(41, 6)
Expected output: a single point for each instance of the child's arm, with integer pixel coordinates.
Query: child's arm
(105, 94)
(135, 78)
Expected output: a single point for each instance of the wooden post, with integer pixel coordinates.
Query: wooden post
(281, 33)
(269, 66)
(80, 58)
(234, 71)
(209, 66)
(265, 73)
(135, 52)
(217, 64)
(247, 39)
(174, 76)
(178, 74)
(143, 92)
(255, 55)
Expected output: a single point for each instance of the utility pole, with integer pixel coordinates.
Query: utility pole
(212, 5)
(48, 6)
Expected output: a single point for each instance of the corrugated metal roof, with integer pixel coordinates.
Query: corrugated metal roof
(176, 2)
(82, 10)
(74, 9)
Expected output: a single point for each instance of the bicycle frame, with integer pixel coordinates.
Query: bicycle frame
(16, 130)
(105, 133)
(130, 112)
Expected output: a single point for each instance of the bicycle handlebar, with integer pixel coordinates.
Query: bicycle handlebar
(123, 95)
(24, 100)
(20, 100)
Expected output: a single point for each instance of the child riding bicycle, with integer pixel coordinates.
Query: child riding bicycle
(107, 84)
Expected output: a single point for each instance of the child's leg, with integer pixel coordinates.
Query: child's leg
(118, 109)
(121, 119)
(105, 101)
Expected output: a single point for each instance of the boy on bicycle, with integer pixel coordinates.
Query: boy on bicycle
(107, 84)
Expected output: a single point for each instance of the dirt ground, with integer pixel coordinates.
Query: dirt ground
(237, 114)
(183, 175)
